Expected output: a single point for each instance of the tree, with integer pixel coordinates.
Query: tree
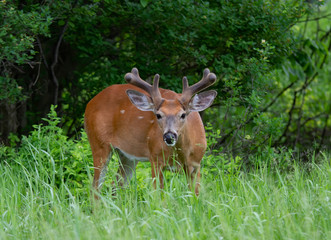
(295, 109)
(18, 34)
(76, 48)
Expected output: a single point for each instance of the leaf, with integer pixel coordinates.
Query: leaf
(61, 22)
(144, 2)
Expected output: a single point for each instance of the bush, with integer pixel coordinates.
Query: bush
(53, 157)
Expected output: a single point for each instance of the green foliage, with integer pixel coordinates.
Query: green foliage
(55, 159)
(10, 91)
(216, 160)
(239, 40)
(272, 62)
(287, 106)
(256, 48)
(18, 32)
(304, 85)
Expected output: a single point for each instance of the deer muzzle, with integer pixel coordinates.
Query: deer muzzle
(170, 138)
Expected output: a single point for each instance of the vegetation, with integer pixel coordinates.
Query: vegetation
(267, 171)
(255, 205)
(45, 193)
(266, 54)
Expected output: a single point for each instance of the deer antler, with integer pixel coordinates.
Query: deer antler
(134, 79)
(207, 80)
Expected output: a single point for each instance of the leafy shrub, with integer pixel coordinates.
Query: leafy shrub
(53, 157)
(216, 161)
(18, 33)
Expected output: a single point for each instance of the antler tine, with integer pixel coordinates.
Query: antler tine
(185, 84)
(156, 82)
(207, 80)
(134, 79)
(156, 95)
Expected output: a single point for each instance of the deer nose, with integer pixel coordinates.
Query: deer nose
(170, 138)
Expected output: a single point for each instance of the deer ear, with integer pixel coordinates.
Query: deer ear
(140, 100)
(202, 101)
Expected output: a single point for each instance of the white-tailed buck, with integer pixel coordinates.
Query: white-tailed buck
(143, 122)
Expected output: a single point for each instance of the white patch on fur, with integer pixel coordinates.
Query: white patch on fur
(170, 145)
(122, 111)
(132, 157)
(152, 121)
(140, 117)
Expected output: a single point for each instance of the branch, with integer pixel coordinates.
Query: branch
(325, 35)
(38, 74)
(236, 129)
(300, 117)
(56, 56)
(16, 67)
(323, 133)
(222, 140)
(42, 53)
(314, 19)
(278, 96)
(290, 114)
(312, 118)
(55, 61)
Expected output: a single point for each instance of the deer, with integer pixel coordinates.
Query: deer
(142, 122)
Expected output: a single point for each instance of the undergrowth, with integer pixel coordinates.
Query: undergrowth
(45, 194)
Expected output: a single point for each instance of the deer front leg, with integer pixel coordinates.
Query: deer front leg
(193, 177)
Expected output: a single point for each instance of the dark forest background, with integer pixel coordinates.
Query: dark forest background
(272, 60)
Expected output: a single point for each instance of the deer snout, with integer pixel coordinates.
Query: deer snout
(170, 138)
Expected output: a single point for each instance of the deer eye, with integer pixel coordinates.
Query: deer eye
(183, 116)
(158, 116)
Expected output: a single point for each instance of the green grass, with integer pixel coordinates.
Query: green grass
(260, 204)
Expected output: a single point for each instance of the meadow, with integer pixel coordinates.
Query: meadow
(37, 201)
(267, 171)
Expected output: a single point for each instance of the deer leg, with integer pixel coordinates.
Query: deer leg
(101, 157)
(126, 169)
(193, 177)
(196, 177)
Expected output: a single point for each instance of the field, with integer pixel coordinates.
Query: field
(263, 203)
(267, 170)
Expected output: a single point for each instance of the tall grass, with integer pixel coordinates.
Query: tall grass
(45, 194)
(259, 204)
